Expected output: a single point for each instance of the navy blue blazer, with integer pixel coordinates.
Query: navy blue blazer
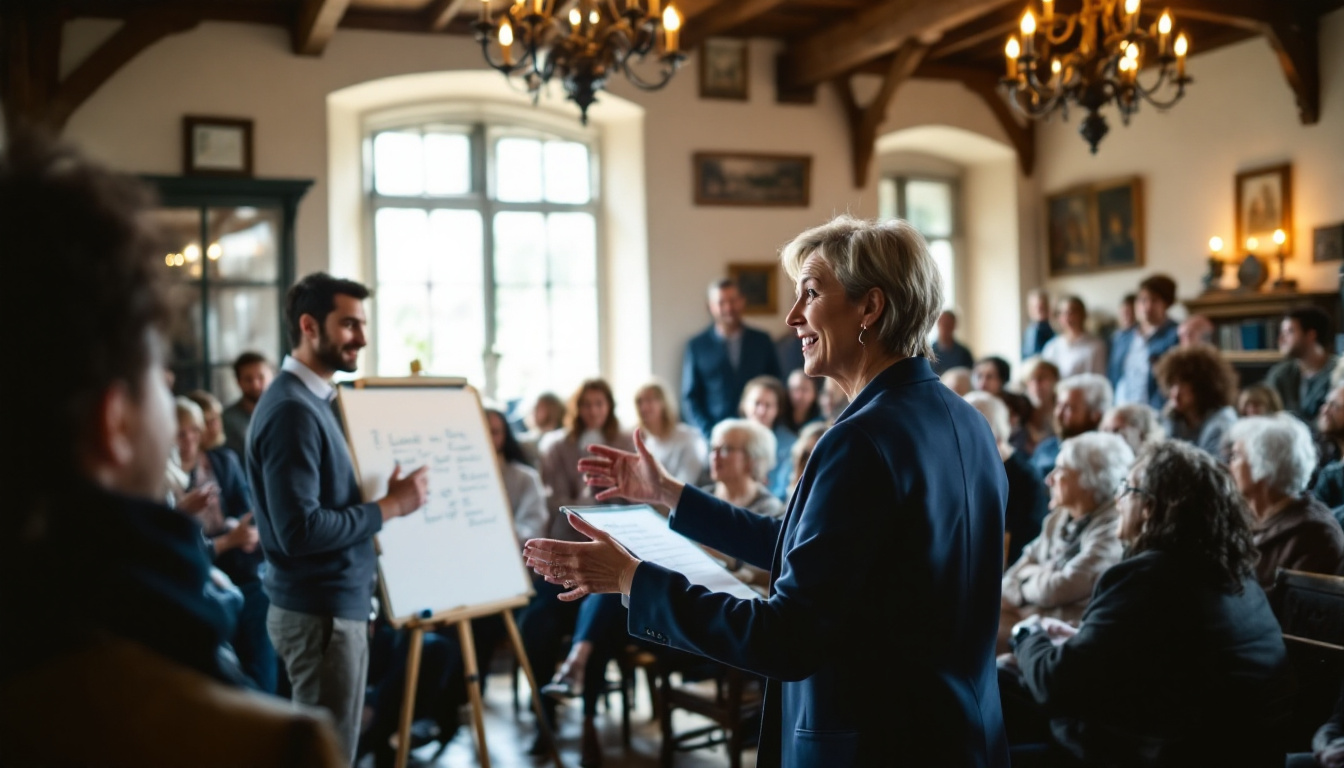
(877, 640)
(1163, 340)
(711, 388)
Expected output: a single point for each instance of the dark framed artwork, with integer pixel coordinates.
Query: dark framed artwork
(746, 179)
(757, 283)
(1264, 204)
(1095, 227)
(1071, 231)
(1327, 243)
(216, 146)
(723, 69)
(1119, 224)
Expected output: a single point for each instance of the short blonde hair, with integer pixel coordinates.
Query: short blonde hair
(890, 256)
(670, 414)
(187, 410)
(760, 445)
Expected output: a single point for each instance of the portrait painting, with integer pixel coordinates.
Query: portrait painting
(1070, 232)
(1264, 204)
(723, 69)
(740, 178)
(757, 284)
(1119, 224)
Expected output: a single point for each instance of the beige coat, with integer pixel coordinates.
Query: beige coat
(1047, 580)
(564, 483)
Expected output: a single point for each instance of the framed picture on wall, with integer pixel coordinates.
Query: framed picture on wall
(723, 69)
(1264, 204)
(1070, 231)
(742, 178)
(757, 282)
(216, 146)
(1095, 227)
(1119, 224)
(1328, 243)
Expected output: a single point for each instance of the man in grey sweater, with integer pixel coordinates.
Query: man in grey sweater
(316, 533)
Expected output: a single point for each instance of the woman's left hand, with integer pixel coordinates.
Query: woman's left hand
(583, 568)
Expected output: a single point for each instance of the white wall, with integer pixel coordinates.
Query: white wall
(1238, 114)
(134, 123)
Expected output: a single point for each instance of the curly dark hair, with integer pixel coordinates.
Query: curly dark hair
(1204, 369)
(78, 241)
(1195, 512)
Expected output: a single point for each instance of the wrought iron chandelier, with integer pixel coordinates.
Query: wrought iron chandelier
(584, 47)
(1092, 58)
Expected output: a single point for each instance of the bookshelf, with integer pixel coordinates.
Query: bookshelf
(1246, 324)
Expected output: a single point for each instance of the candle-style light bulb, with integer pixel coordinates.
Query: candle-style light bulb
(1132, 52)
(1164, 23)
(1012, 50)
(1215, 244)
(575, 18)
(1131, 7)
(506, 41)
(1279, 237)
(1047, 11)
(485, 10)
(1028, 24)
(594, 16)
(1055, 66)
(672, 26)
(1182, 46)
(1252, 243)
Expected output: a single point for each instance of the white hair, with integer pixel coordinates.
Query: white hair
(1140, 425)
(993, 409)
(1278, 449)
(1102, 460)
(1097, 391)
(761, 445)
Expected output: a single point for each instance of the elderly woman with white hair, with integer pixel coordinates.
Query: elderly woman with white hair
(1272, 458)
(741, 458)
(1028, 500)
(1080, 402)
(1139, 424)
(1078, 541)
(898, 514)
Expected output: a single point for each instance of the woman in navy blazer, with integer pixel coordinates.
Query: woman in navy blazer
(877, 639)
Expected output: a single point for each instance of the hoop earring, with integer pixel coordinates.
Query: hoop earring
(862, 329)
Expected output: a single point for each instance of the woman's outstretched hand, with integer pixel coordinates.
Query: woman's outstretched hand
(635, 476)
(585, 567)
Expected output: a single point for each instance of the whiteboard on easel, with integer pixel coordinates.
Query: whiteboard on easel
(459, 551)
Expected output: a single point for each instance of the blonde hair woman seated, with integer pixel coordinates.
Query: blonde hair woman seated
(677, 446)
(1078, 542)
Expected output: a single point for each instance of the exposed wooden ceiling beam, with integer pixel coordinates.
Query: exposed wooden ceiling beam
(864, 121)
(994, 27)
(315, 23)
(985, 84)
(441, 12)
(723, 18)
(876, 32)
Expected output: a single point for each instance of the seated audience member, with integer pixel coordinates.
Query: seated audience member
(1272, 459)
(802, 451)
(547, 417)
(1328, 485)
(1258, 400)
(947, 351)
(590, 420)
(1057, 570)
(1179, 660)
(1327, 745)
(1081, 402)
(1137, 423)
(958, 380)
(217, 496)
(254, 374)
(1039, 386)
(804, 407)
(1135, 352)
(113, 654)
(1075, 350)
(1124, 316)
(764, 401)
(832, 400)
(741, 458)
(1302, 378)
(992, 375)
(1201, 388)
(1195, 330)
(1028, 499)
(212, 435)
(1038, 332)
(678, 447)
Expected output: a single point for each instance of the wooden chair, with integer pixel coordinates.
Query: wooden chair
(1310, 609)
(731, 699)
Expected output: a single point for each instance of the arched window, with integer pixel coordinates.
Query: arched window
(930, 204)
(485, 253)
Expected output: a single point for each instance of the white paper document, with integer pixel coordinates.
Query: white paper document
(645, 533)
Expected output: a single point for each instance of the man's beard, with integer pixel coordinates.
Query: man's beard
(329, 354)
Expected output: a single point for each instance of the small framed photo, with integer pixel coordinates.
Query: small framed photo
(746, 179)
(1328, 243)
(757, 283)
(723, 69)
(216, 146)
(1264, 204)
(1071, 231)
(1119, 223)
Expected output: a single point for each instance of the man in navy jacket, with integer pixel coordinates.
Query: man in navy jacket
(722, 359)
(1135, 351)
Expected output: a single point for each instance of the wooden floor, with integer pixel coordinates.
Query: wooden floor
(509, 737)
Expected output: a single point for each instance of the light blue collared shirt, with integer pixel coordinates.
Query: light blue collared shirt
(315, 384)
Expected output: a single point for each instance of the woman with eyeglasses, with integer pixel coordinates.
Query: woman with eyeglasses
(741, 458)
(1179, 660)
(1078, 542)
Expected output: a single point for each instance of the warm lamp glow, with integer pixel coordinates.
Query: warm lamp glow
(1252, 243)
(1013, 49)
(1054, 66)
(1132, 52)
(1164, 23)
(505, 34)
(192, 252)
(1131, 7)
(1215, 244)
(575, 17)
(1279, 237)
(672, 25)
(594, 17)
(1182, 45)
(214, 251)
(1028, 24)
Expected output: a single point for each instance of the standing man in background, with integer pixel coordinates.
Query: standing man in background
(947, 351)
(317, 535)
(1134, 352)
(722, 359)
(254, 374)
(1039, 331)
(1302, 378)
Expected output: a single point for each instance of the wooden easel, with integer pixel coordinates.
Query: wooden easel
(462, 618)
